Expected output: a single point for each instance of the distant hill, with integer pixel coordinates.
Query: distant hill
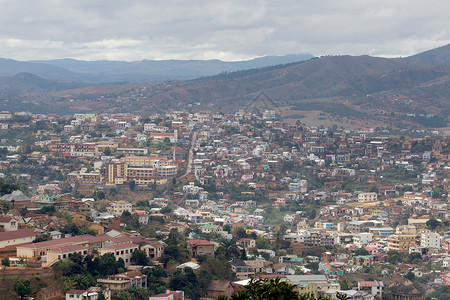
(27, 82)
(333, 76)
(10, 67)
(439, 55)
(358, 89)
(161, 70)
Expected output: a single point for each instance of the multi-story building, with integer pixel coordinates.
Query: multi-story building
(154, 250)
(114, 173)
(200, 247)
(124, 251)
(375, 288)
(367, 197)
(124, 281)
(75, 149)
(132, 151)
(246, 243)
(62, 253)
(41, 249)
(119, 207)
(242, 270)
(430, 240)
(401, 242)
(85, 177)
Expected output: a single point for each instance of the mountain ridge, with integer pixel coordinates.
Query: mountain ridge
(104, 71)
(357, 87)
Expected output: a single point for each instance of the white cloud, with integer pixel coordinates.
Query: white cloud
(229, 30)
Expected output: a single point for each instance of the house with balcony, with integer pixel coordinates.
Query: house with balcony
(200, 247)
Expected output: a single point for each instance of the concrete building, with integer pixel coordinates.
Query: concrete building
(200, 247)
(18, 237)
(119, 207)
(430, 240)
(62, 253)
(124, 251)
(367, 197)
(124, 281)
(242, 269)
(8, 224)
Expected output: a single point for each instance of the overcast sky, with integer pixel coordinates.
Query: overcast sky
(228, 30)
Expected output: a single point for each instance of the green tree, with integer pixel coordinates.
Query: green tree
(433, 223)
(394, 257)
(140, 258)
(22, 288)
(360, 251)
(107, 151)
(132, 185)
(227, 249)
(414, 258)
(5, 262)
(410, 276)
(76, 194)
(67, 283)
(218, 269)
(186, 282)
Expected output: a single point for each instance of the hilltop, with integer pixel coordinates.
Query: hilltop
(333, 89)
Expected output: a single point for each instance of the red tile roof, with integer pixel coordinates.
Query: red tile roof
(5, 219)
(120, 246)
(69, 248)
(17, 234)
(54, 243)
(200, 243)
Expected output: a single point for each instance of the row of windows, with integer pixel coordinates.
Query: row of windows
(66, 255)
(122, 252)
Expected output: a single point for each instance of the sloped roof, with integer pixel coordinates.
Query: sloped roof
(16, 196)
(21, 233)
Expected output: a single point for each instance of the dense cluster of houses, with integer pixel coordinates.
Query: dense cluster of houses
(241, 173)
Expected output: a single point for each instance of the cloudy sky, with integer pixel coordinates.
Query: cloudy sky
(228, 30)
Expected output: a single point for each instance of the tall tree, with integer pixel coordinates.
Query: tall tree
(228, 249)
(22, 288)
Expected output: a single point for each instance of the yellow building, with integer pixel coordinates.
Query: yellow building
(401, 242)
(102, 145)
(62, 253)
(306, 288)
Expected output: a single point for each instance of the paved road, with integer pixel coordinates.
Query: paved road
(191, 157)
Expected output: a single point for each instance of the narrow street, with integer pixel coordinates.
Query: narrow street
(190, 157)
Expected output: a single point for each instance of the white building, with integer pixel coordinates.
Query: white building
(363, 238)
(367, 197)
(430, 240)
